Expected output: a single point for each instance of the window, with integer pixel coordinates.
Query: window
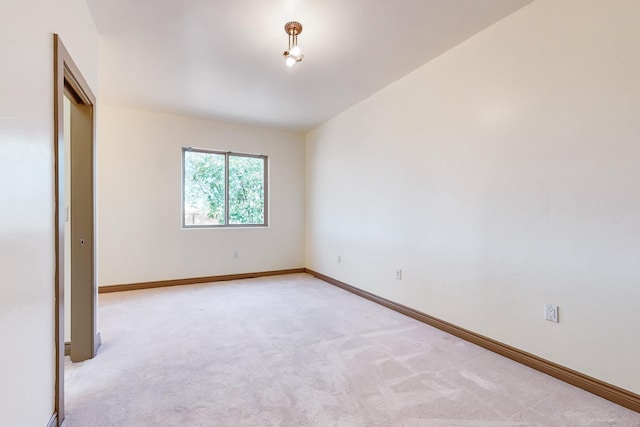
(223, 189)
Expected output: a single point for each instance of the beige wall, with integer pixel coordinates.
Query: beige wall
(26, 196)
(139, 185)
(500, 176)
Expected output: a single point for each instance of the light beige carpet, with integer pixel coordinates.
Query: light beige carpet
(295, 351)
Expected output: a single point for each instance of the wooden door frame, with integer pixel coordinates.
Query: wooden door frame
(67, 77)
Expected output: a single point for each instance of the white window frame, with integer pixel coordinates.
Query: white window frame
(227, 155)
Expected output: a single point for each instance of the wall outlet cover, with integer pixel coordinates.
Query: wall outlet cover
(551, 312)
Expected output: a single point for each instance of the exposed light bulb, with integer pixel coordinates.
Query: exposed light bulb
(295, 51)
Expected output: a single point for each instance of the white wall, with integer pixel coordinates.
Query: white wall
(500, 176)
(67, 225)
(139, 187)
(26, 196)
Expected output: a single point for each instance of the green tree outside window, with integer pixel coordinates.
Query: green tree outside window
(213, 178)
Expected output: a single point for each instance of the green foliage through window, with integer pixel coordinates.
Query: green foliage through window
(223, 189)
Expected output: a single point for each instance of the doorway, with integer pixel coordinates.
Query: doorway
(74, 103)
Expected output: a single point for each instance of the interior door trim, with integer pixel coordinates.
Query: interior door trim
(66, 77)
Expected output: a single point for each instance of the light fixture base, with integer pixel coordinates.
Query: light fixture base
(293, 27)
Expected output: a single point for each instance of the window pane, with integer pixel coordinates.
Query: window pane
(203, 188)
(246, 190)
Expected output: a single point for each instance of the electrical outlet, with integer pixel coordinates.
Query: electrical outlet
(399, 274)
(339, 259)
(551, 312)
(236, 254)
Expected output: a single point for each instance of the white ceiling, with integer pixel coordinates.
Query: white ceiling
(222, 59)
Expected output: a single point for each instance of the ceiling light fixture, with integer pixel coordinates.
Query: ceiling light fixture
(293, 54)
